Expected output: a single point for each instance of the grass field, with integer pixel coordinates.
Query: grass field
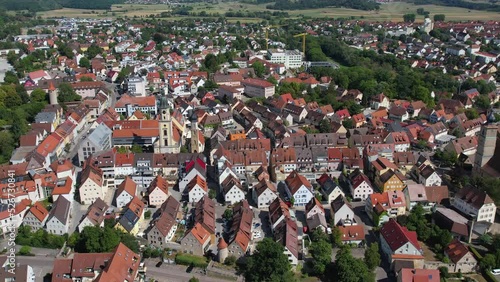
(388, 12)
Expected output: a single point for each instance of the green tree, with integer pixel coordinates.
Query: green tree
(471, 113)
(336, 236)
(194, 279)
(10, 78)
(488, 262)
(350, 269)
(66, 93)
(259, 69)
(85, 63)
(136, 148)
(322, 256)
(268, 263)
(8, 144)
(25, 250)
(210, 63)
(325, 126)
(348, 123)
(230, 260)
(483, 102)
(439, 17)
(38, 95)
(228, 214)
(93, 51)
(372, 256)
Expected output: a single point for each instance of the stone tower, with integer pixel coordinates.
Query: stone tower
(222, 250)
(166, 141)
(486, 144)
(52, 94)
(195, 136)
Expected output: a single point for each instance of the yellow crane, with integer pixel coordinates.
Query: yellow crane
(303, 35)
(267, 29)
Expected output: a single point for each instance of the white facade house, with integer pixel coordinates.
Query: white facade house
(429, 177)
(264, 193)
(158, 191)
(232, 190)
(360, 186)
(125, 192)
(292, 59)
(397, 240)
(298, 187)
(196, 189)
(59, 217)
(36, 217)
(92, 185)
(11, 217)
(475, 203)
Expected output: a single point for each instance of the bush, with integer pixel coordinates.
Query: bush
(230, 260)
(147, 215)
(186, 259)
(25, 251)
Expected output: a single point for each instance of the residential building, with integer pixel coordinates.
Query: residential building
(232, 190)
(342, 212)
(164, 226)
(382, 207)
(454, 222)
(360, 186)
(286, 233)
(315, 215)
(125, 192)
(132, 217)
(475, 203)
(396, 240)
(264, 193)
(158, 191)
(21, 272)
(127, 105)
(240, 233)
(329, 188)
(352, 234)
(420, 275)
(36, 217)
(120, 265)
(196, 241)
(95, 215)
(59, 217)
(196, 189)
(92, 186)
(298, 187)
(462, 258)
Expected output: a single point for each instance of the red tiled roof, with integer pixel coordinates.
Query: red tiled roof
(396, 236)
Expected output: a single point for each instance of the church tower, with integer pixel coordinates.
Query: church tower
(486, 143)
(195, 134)
(166, 141)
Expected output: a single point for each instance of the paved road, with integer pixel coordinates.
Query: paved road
(41, 265)
(175, 273)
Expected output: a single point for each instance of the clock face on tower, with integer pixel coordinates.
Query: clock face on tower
(164, 112)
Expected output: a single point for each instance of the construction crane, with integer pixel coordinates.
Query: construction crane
(267, 29)
(303, 35)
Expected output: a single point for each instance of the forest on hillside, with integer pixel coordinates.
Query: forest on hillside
(45, 5)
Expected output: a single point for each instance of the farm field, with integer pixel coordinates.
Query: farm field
(388, 12)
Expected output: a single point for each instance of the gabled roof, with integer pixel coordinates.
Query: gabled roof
(61, 210)
(160, 183)
(39, 211)
(456, 250)
(128, 185)
(314, 203)
(475, 197)
(295, 180)
(199, 233)
(396, 236)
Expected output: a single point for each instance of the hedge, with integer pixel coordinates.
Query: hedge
(476, 254)
(186, 259)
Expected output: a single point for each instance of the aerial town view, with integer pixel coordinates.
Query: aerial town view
(249, 140)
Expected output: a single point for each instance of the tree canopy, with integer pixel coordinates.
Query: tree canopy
(350, 269)
(268, 263)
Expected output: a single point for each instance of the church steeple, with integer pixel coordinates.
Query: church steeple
(167, 142)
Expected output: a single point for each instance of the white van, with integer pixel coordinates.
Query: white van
(496, 271)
